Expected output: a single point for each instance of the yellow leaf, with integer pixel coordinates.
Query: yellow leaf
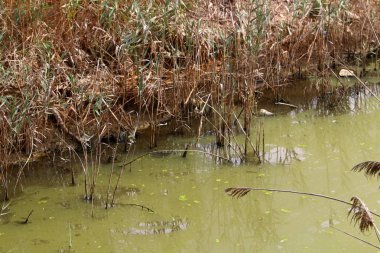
(285, 210)
(182, 198)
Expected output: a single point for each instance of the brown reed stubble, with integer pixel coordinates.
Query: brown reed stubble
(103, 65)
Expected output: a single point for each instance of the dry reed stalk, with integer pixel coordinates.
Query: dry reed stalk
(100, 62)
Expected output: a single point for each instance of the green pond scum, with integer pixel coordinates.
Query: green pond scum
(175, 204)
(126, 125)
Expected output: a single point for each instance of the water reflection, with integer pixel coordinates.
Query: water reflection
(278, 155)
(337, 99)
(159, 227)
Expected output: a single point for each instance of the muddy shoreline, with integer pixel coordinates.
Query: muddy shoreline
(298, 96)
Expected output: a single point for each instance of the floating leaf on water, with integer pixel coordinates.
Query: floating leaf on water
(346, 73)
(285, 210)
(193, 187)
(226, 182)
(42, 202)
(196, 201)
(217, 240)
(268, 193)
(267, 212)
(182, 198)
(283, 240)
(264, 112)
(188, 204)
(51, 218)
(218, 180)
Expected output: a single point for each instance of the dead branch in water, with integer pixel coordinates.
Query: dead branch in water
(176, 150)
(142, 207)
(286, 104)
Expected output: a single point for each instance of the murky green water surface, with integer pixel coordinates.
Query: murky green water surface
(306, 151)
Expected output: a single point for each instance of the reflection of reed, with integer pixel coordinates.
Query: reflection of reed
(255, 233)
(212, 151)
(344, 98)
(159, 227)
(278, 155)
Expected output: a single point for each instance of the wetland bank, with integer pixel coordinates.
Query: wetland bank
(122, 123)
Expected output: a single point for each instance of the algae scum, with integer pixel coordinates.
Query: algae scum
(185, 208)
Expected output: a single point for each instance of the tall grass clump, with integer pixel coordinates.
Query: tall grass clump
(75, 72)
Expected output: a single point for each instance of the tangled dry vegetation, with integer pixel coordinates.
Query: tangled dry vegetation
(74, 71)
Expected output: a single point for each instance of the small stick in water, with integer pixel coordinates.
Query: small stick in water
(70, 238)
(142, 207)
(185, 152)
(72, 177)
(27, 218)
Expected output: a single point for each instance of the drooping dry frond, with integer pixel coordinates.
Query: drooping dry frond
(237, 192)
(370, 168)
(361, 214)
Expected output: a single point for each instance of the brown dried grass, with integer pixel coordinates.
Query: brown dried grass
(97, 62)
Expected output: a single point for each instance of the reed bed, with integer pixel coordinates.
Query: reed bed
(75, 72)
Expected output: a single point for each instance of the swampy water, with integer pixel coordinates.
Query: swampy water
(307, 149)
